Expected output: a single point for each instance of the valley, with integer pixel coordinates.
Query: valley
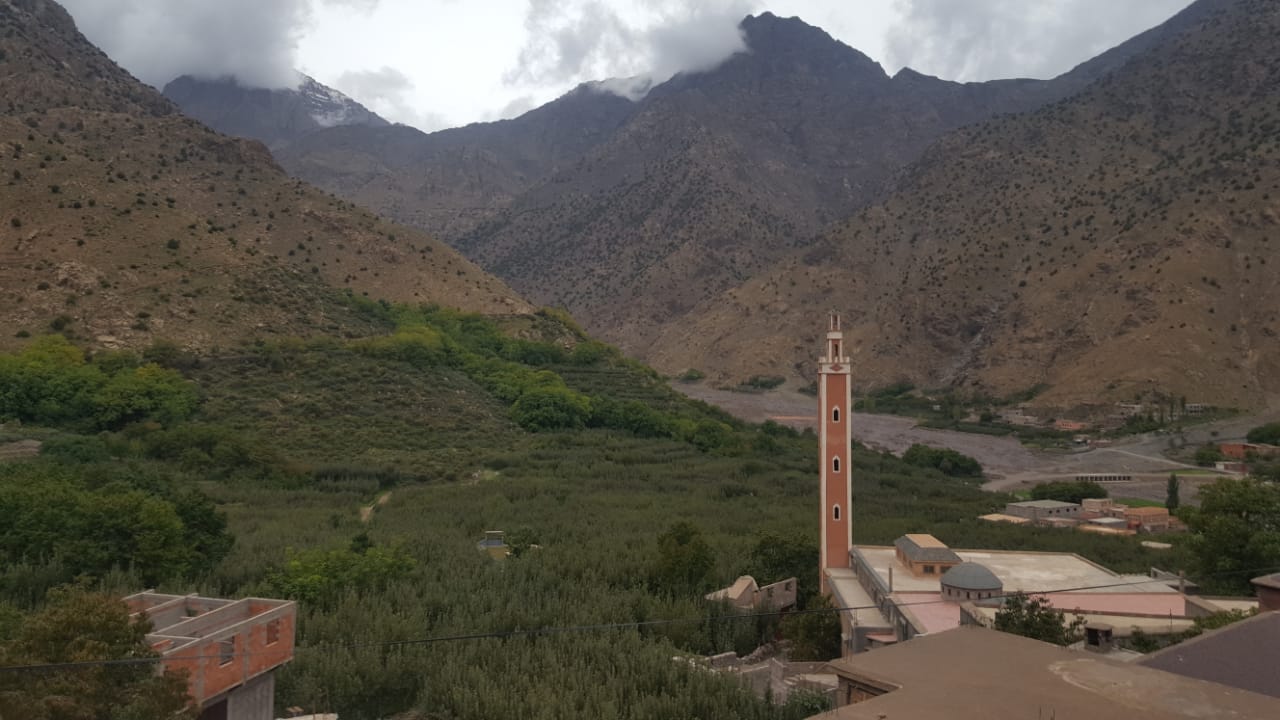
(408, 396)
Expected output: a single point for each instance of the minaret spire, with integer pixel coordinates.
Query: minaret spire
(835, 449)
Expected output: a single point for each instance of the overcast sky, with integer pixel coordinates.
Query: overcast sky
(441, 63)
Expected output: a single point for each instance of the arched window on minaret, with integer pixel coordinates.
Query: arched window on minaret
(835, 513)
(835, 464)
(835, 415)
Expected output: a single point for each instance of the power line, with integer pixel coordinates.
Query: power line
(564, 629)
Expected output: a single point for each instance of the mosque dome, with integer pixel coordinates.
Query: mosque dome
(970, 581)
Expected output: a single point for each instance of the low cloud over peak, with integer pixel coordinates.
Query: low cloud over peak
(254, 41)
(571, 42)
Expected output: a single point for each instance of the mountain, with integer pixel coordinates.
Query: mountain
(124, 222)
(451, 181)
(275, 117)
(630, 213)
(1119, 243)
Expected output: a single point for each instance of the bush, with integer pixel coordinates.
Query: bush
(764, 382)
(1068, 491)
(551, 408)
(317, 577)
(1268, 434)
(691, 375)
(1207, 455)
(947, 461)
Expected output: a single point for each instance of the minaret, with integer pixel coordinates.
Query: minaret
(835, 449)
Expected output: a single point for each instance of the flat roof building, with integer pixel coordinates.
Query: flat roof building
(896, 604)
(1041, 510)
(980, 674)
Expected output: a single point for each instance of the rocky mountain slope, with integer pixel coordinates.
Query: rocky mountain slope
(630, 213)
(275, 117)
(124, 222)
(1118, 243)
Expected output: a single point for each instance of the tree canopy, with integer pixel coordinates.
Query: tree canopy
(1236, 532)
(1035, 618)
(945, 460)
(1068, 491)
(77, 625)
(1268, 434)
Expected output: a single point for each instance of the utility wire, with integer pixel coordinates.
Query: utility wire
(563, 629)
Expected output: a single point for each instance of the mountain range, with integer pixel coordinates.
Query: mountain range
(631, 212)
(1117, 244)
(1104, 234)
(125, 222)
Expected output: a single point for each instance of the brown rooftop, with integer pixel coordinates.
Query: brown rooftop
(1245, 655)
(973, 673)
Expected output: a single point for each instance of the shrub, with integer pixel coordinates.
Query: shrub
(691, 375)
(945, 460)
(551, 408)
(1068, 491)
(1268, 434)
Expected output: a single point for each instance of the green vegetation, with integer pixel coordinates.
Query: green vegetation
(637, 511)
(1173, 492)
(1068, 491)
(77, 626)
(1207, 455)
(1034, 617)
(692, 375)
(762, 382)
(52, 383)
(1237, 532)
(1268, 434)
(947, 461)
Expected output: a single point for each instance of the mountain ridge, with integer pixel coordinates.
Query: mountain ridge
(126, 222)
(1112, 244)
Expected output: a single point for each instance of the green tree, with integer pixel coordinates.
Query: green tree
(81, 626)
(684, 561)
(1034, 617)
(815, 632)
(317, 577)
(1172, 492)
(947, 461)
(776, 558)
(1207, 455)
(1068, 491)
(551, 408)
(1236, 532)
(1268, 434)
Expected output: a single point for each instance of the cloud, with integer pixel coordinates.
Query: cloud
(986, 39)
(388, 92)
(573, 42)
(158, 40)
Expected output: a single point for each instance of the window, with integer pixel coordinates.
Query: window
(226, 651)
(835, 464)
(273, 632)
(928, 569)
(835, 415)
(835, 512)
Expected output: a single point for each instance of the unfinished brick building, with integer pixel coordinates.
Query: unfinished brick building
(229, 649)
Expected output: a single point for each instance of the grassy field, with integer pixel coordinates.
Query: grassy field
(308, 434)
